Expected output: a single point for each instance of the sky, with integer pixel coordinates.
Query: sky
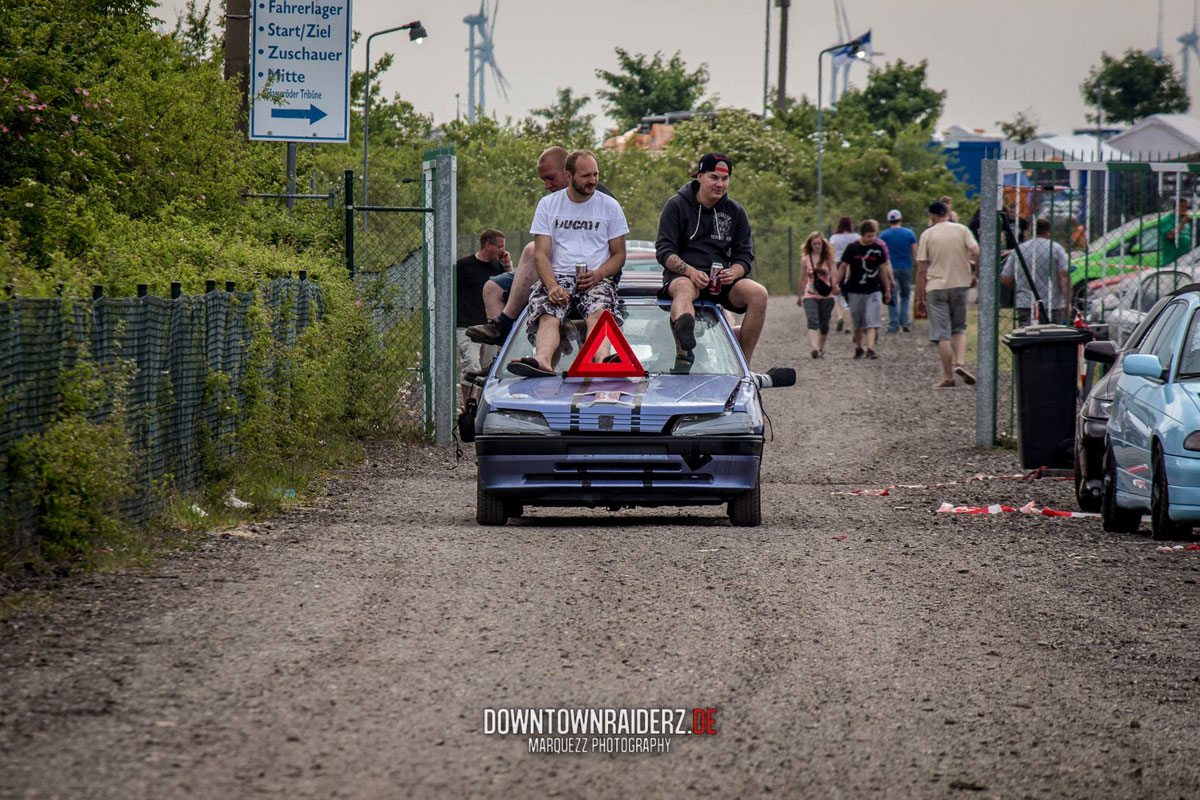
(992, 59)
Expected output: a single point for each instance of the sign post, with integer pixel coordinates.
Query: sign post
(300, 56)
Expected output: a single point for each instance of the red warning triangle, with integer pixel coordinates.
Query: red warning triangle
(626, 364)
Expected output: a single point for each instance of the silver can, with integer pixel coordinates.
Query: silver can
(580, 268)
(714, 277)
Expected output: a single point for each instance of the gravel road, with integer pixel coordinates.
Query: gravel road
(853, 646)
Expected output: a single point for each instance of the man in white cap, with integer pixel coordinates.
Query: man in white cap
(902, 252)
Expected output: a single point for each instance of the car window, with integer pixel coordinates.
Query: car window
(1161, 341)
(1189, 359)
(1157, 286)
(1139, 333)
(647, 328)
(642, 264)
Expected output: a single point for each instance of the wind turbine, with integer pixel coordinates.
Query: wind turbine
(480, 56)
(1189, 40)
(1157, 53)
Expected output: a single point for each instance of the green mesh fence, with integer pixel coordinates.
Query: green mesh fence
(387, 258)
(188, 359)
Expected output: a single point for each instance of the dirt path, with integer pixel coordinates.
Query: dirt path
(854, 646)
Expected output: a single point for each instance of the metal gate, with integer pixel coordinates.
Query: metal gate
(1127, 228)
(400, 252)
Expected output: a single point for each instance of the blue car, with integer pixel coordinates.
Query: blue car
(1152, 453)
(684, 434)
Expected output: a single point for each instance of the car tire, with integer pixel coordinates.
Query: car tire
(745, 510)
(1087, 501)
(1161, 525)
(1113, 518)
(489, 509)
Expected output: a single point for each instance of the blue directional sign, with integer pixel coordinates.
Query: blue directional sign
(300, 71)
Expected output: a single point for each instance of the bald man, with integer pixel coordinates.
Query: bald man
(552, 170)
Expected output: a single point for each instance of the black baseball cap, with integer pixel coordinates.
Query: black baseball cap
(938, 208)
(714, 162)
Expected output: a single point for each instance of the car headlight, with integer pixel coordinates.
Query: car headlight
(723, 424)
(1192, 442)
(1097, 407)
(507, 422)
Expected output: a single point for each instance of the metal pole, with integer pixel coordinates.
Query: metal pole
(291, 175)
(989, 257)
(781, 88)
(766, 59)
(820, 145)
(367, 106)
(237, 54)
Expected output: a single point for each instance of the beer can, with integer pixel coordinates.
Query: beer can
(580, 268)
(714, 277)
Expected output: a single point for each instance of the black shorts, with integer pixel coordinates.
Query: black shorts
(721, 298)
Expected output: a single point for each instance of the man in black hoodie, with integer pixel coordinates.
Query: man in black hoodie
(701, 227)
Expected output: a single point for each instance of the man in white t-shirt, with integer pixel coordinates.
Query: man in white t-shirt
(575, 225)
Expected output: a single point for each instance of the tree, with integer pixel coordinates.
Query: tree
(1134, 87)
(896, 97)
(1021, 128)
(647, 86)
(563, 118)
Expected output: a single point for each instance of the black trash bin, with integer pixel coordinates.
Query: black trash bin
(1046, 369)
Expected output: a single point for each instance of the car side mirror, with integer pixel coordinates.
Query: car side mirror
(1143, 365)
(1100, 352)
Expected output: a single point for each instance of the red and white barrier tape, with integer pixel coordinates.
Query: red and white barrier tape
(996, 508)
(1178, 548)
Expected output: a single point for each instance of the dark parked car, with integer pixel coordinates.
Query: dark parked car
(1092, 422)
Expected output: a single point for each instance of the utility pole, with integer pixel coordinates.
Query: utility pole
(237, 54)
(781, 87)
(767, 60)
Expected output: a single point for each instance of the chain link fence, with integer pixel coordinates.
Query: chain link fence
(1126, 230)
(387, 255)
(187, 361)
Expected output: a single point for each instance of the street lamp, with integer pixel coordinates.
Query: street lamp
(855, 45)
(416, 33)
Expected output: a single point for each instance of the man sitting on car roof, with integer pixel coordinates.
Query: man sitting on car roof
(701, 230)
(579, 245)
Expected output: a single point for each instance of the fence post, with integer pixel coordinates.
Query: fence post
(791, 279)
(349, 180)
(441, 169)
(985, 342)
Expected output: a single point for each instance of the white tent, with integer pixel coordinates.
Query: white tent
(1160, 137)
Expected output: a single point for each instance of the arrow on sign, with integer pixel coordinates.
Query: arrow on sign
(312, 113)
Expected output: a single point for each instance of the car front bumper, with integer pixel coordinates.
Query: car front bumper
(1183, 487)
(618, 470)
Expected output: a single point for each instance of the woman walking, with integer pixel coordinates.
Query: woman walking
(816, 291)
(843, 236)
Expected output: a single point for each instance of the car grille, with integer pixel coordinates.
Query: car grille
(622, 420)
(644, 471)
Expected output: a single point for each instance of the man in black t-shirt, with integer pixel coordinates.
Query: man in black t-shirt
(867, 272)
(473, 272)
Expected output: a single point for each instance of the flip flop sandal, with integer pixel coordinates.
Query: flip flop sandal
(528, 368)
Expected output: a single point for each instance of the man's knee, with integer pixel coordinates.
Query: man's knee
(749, 294)
(683, 288)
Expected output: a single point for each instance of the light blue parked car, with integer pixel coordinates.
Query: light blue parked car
(1152, 457)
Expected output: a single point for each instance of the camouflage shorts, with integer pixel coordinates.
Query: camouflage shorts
(601, 296)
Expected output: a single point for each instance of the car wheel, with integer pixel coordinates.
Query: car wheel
(1161, 526)
(745, 510)
(1088, 501)
(1114, 518)
(489, 509)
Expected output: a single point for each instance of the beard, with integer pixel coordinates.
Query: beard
(582, 188)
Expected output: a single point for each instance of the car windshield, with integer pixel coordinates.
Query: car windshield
(647, 328)
(642, 264)
(1189, 359)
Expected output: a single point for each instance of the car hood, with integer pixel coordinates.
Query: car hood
(632, 405)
